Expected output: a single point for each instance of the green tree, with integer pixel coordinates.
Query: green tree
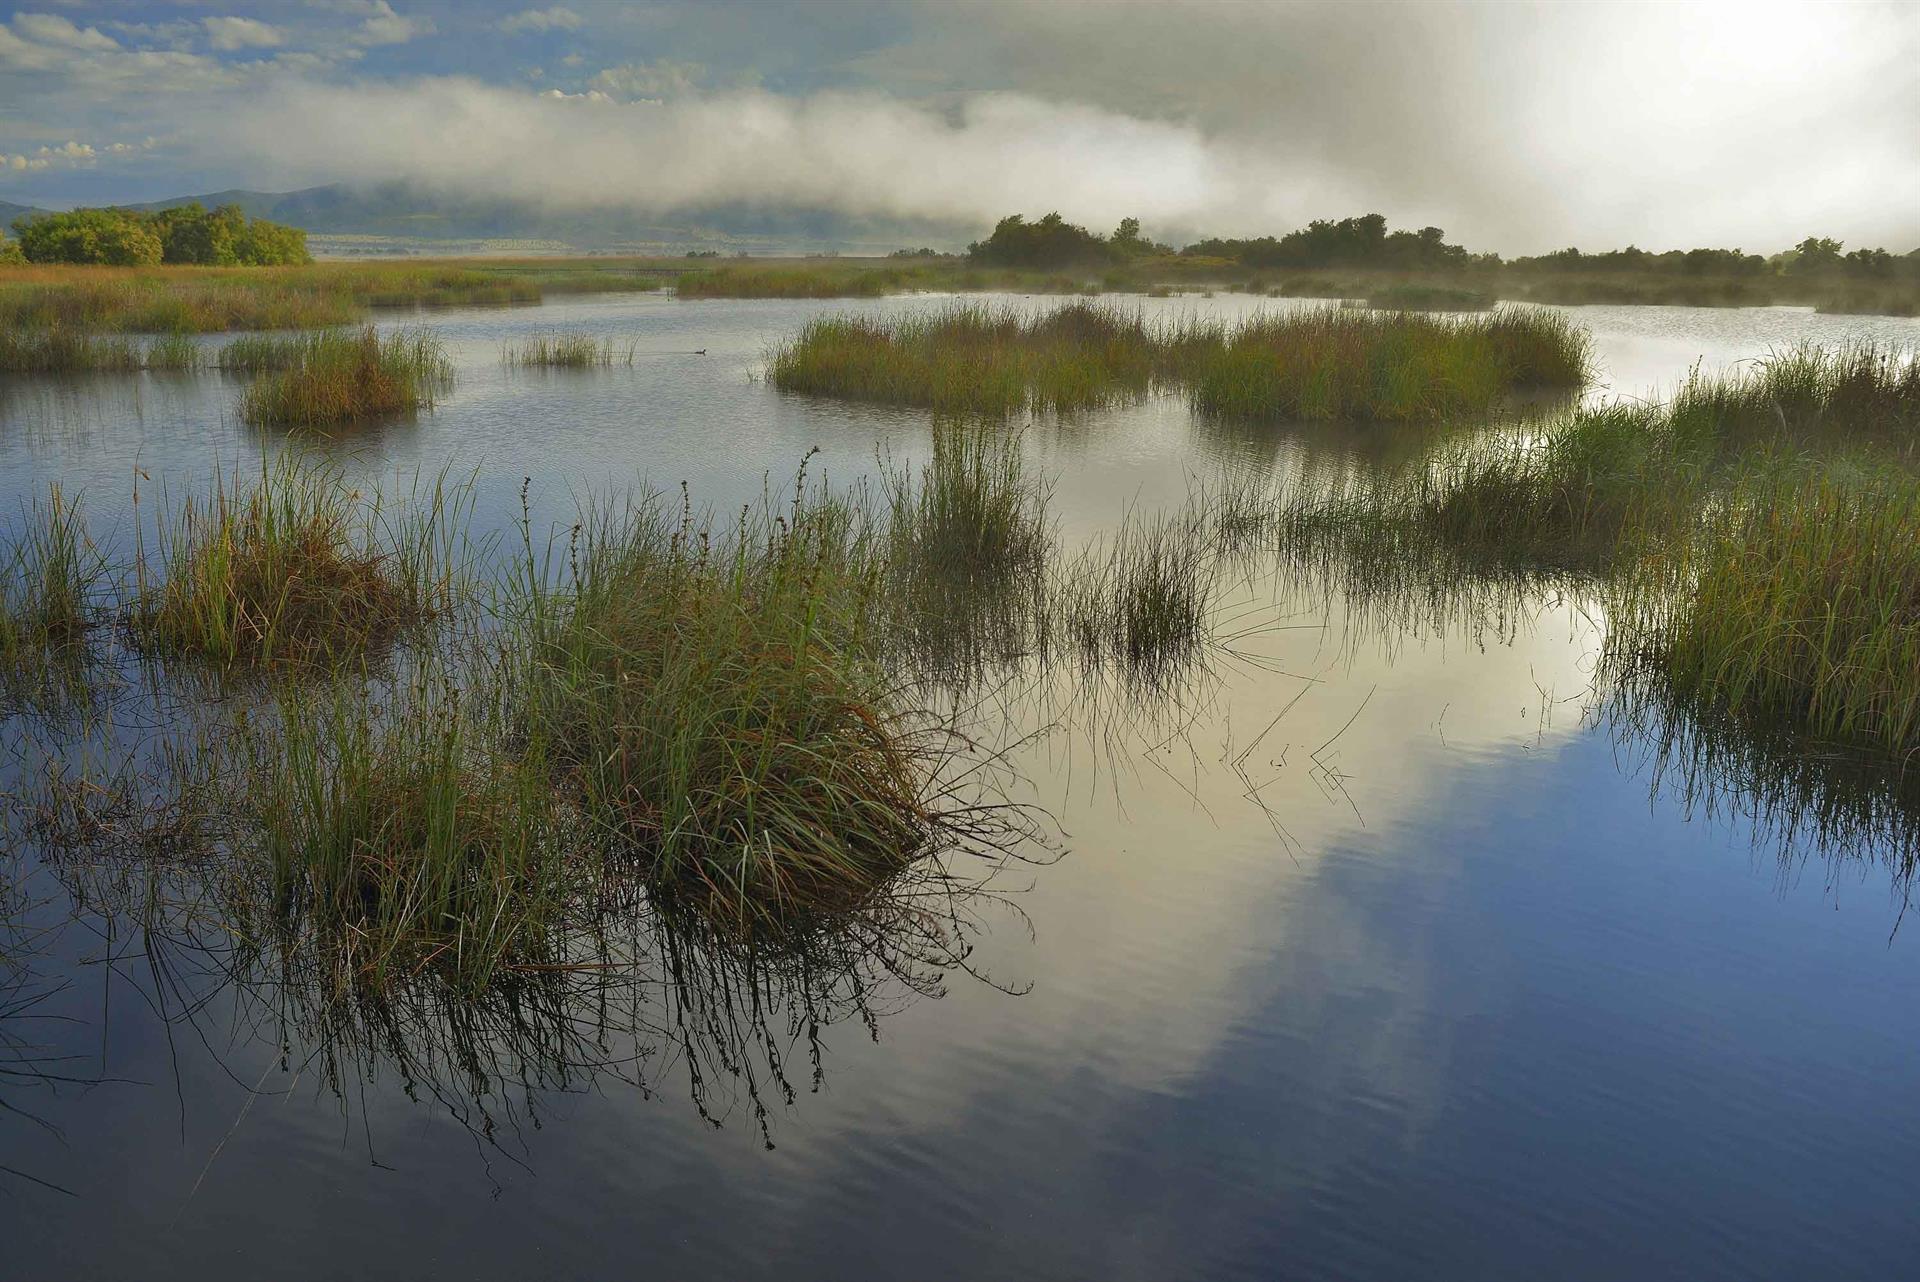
(1874, 264)
(1128, 242)
(1052, 242)
(188, 234)
(110, 236)
(1814, 256)
(259, 243)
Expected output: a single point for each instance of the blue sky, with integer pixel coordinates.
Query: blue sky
(1516, 126)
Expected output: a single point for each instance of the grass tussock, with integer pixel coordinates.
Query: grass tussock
(973, 521)
(1311, 364)
(568, 351)
(1565, 499)
(1603, 485)
(1863, 299)
(401, 835)
(970, 554)
(263, 353)
(1335, 364)
(61, 351)
(1141, 601)
(175, 352)
(51, 574)
(342, 377)
(974, 359)
(1806, 397)
(710, 699)
(299, 567)
(66, 351)
(1799, 605)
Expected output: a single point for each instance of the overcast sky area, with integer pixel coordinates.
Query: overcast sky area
(1517, 127)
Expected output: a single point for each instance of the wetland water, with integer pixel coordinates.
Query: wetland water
(1369, 952)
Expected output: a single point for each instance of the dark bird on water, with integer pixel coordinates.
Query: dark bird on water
(701, 352)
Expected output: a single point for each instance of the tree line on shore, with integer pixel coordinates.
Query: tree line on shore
(187, 234)
(226, 236)
(1365, 242)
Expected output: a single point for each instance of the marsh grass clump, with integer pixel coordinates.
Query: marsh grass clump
(260, 353)
(1342, 363)
(973, 519)
(299, 567)
(1806, 397)
(395, 831)
(1465, 534)
(1572, 498)
(64, 350)
(713, 701)
(1141, 601)
(1870, 299)
(1603, 487)
(974, 359)
(1538, 348)
(568, 351)
(1799, 605)
(969, 545)
(341, 377)
(1321, 363)
(177, 352)
(51, 575)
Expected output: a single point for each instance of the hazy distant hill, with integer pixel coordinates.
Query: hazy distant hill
(404, 217)
(10, 211)
(402, 210)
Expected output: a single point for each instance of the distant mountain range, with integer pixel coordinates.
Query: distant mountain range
(10, 211)
(392, 217)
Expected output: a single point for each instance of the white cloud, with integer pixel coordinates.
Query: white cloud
(557, 18)
(72, 154)
(22, 55)
(52, 29)
(86, 63)
(855, 152)
(383, 26)
(227, 34)
(179, 33)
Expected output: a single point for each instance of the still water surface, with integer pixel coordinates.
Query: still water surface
(1371, 955)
